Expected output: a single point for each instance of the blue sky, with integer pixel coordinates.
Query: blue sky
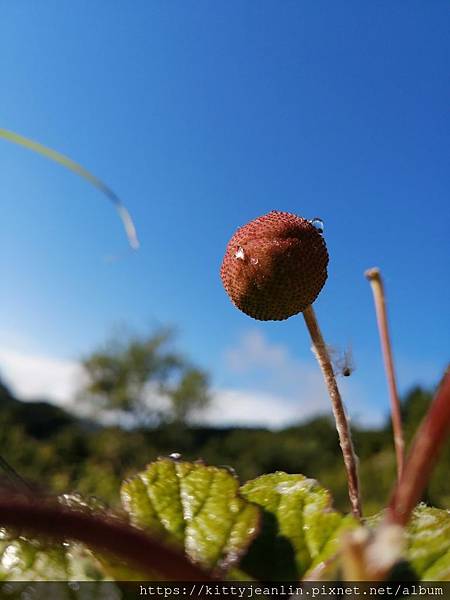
(202, 116)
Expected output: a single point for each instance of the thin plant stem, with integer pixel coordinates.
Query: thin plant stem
(376, 282)
(428, 441)
(342, 426)
(14, 477)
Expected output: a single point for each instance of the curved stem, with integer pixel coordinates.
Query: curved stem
(45, 518)
(424, 451)
(14, 477)
(342, 426)
(374, 276)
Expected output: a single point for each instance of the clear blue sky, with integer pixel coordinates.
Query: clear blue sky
(201, 116)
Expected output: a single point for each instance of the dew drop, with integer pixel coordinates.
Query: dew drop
(229, 469)
(175, 456)
(317, 223)
(240, 254)
(254, 261)
(10, 557)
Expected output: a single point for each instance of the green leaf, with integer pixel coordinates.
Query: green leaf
(25, 559)
(300, 529)
(110, 566)
(428, 535)
(427, 554)
(193, 506)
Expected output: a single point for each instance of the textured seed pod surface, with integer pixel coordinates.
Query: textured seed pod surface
(275, 266)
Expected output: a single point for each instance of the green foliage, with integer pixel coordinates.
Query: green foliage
(429, 543)
(23, 559)
(196, 507)
(192, 505)
(278, 527)
(413, 409)
(45, 444)
(138, 375)
(190, 395)
(300, 529)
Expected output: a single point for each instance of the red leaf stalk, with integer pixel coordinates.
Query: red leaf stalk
(44, 518)
(423, 454)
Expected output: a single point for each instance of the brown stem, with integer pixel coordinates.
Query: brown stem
(46, 518)
(376, 282)
(342, 426)
(424, 451)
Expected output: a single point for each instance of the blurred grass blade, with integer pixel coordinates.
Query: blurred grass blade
(67, 162)
(13, 475)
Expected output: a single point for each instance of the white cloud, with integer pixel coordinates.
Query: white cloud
(267, 386)
(283, 387)
(254, 351)
(36, 376)
(272, 368)
(251, 409)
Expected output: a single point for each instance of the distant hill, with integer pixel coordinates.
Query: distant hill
(39, 419)
(59, 452)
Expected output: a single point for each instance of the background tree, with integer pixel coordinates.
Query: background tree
(144, 377)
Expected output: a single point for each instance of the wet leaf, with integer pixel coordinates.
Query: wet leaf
(300, 529)
(34, 560)
(196, 507)
(428, 536)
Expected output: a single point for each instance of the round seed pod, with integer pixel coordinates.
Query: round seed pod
(275, 266)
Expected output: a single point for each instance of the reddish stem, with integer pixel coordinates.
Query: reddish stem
(374, 276)
(48, 519)
(427, 443)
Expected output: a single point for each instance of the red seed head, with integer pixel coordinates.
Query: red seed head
(275, 266)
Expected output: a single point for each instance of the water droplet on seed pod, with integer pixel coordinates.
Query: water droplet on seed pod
(317, 223)
(240, 254)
